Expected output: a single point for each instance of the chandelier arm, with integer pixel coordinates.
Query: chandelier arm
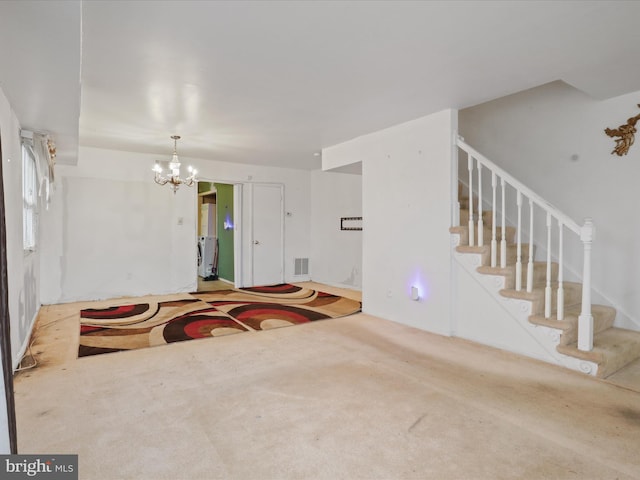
(160, 180)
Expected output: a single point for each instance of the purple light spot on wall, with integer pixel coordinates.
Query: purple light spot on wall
(228, 223)
(417, 280)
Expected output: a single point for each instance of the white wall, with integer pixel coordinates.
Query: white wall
(118, 233)
(406, 187)
(481, 318)
(336, 255)
(22, 268)
(552, 139)
(343, 155)
(23, 273)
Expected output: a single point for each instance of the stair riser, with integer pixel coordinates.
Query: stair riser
(539, 275)
(464, 218)
(612, 349)
(601, 321)
(487, 217)
(512, 252)
(464, 204)
(485, 253)
(510, 235)
(572, 296)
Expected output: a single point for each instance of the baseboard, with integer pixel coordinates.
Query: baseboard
(25, 345)
(335, 284)
(299, 278)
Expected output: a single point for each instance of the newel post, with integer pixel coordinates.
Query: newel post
(585, 320)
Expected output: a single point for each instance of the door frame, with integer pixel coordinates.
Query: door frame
(237, 228)
(237, 236)
(243, 196)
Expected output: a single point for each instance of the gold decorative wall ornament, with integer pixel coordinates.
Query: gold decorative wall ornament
(52, 149)
(626, 134)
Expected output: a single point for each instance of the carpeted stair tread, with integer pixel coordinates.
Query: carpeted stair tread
(464, 204)
(463, 231)
(509, 272)
(612, 349)
(572, 296)
(485, 251)
(536, 292)
(489, 270)
(603, 318)
(486, 217)
(463, 200)
(459, 230)
(473, 249)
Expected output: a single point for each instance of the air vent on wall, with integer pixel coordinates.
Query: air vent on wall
(301, 266)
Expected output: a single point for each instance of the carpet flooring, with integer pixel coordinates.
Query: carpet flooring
(205, 314)
(357, 398)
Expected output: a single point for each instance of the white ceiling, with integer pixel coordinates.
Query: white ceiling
(271, 83)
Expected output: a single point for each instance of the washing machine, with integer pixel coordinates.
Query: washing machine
(206, 255)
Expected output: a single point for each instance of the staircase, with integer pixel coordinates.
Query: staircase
(573, 332)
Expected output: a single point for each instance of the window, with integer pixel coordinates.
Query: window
(29, 199)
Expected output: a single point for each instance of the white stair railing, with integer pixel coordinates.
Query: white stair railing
(585, 233)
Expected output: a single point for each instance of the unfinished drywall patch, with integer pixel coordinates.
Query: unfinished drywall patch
(27, 306)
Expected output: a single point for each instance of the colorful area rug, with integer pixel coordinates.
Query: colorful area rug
(206, 314)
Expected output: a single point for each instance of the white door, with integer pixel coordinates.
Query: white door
(268, 241)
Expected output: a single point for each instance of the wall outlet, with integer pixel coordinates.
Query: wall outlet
(415, 294)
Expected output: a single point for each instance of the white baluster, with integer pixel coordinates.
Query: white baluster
(560, 312)
(503, 240)
(494, 243)
(480, 221)
(471, 230)
(547, 290)
(455, 182)
(585, 320)
(530, 264)
(519, 244)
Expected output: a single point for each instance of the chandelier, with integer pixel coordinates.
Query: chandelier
(173, 177)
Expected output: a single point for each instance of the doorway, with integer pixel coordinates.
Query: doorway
(215, 236)
(255, 257)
